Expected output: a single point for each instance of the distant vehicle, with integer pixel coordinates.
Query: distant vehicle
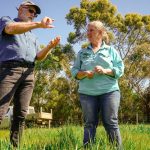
(8, 117)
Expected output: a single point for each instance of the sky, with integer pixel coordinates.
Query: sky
(57, 9)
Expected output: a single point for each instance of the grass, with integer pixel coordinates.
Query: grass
(135, 137)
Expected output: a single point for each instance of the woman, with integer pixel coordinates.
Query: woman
(98, 68)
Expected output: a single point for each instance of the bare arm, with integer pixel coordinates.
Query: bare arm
(101, 70)
(108, 72)
(46, 50)
(22, 27)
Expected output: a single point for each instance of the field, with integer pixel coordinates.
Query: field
(135, 137)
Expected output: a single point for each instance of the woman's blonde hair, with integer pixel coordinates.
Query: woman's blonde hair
(99, 26)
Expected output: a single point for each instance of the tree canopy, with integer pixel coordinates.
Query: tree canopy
(129, 34)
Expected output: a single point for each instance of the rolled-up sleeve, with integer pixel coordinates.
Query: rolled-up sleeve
(118, 65)
(76, 66)
(3, 22)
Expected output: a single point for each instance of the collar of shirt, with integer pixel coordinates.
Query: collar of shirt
(17, 19)
(103, 46)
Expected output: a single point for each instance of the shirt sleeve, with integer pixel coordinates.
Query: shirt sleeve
(3, 22)
(118, 65)
(77, 66)
(38, 46)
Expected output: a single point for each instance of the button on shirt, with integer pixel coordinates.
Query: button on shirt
(19, 46)
(108, 58)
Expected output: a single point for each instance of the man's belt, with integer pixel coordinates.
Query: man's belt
(15, 63)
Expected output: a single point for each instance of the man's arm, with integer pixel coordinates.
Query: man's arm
(22, 27)
(46, 50)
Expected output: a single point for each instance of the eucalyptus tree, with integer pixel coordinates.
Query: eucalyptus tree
(57, 64)
(130, 35)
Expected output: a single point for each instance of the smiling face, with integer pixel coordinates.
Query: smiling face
(27, 13)
(93, 34)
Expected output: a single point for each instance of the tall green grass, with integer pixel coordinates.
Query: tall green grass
(135, 137)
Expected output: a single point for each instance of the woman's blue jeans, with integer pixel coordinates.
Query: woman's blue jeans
(105, 105)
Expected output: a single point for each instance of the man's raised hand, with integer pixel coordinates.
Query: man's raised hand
(46, 22)
(54, 42)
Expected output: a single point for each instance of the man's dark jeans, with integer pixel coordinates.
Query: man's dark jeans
(106, 104)
(16, 84)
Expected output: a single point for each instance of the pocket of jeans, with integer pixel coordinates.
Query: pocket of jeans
(5, 71)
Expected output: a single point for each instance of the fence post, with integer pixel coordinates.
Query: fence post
(137, 118)
(40, 109)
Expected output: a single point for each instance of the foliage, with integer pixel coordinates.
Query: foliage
(146, 103)
(54, 87)
(70, 138)
(130, 35)
(63, 101)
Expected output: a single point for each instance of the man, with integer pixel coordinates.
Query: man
(18, 51)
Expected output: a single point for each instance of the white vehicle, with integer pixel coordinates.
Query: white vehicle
(8, 117)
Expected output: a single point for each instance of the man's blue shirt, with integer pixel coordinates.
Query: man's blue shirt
(19, 46)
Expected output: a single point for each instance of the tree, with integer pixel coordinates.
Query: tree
(55, 88)
(130, 35)
(146, 103)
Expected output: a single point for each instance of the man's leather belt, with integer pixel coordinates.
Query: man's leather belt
(15, 63)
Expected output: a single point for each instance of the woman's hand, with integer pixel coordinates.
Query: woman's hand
(89, 74)
(99, 69)
(85, 74)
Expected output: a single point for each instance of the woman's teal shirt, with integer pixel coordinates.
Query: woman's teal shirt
(108, 58)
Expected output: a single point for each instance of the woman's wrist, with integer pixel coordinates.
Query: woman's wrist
(82, 74)
(108, 72)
